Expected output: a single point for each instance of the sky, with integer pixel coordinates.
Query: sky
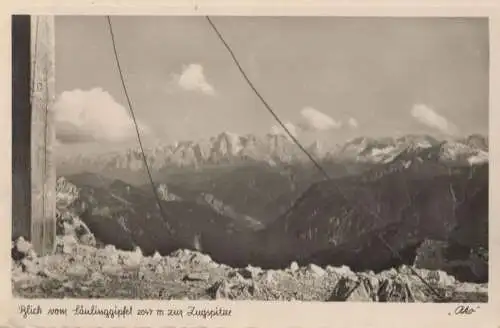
(328, 78)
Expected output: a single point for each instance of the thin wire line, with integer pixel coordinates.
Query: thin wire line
(411, 268)
(318, 166)
(265, 103)
(158, 200)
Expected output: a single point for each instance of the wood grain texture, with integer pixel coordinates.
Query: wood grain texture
(43, 171)
(21, 132)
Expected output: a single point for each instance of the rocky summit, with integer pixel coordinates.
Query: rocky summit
(81, 271)
(399, 219)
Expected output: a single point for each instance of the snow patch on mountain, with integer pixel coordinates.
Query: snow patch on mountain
(273, 150)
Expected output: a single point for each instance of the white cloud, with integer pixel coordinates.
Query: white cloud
(278, 129)
(431, 118)
(313, 119)
(193, 78)
(93, 115)
(353, 123)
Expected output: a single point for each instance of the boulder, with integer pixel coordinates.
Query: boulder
(107, 255)
(68, 223)
(131, 260)
(220, 290)
(77, 271)
(315, 270)
(159, 269)
(352, 289)
(66, 193)
(196, 276)
(250, 272)
(439, 278)
(294, 266)
(340, 271)
(395, 290)
(269, 277)
(156, 257)
(200, 258)
(66, 244)
(233, 289)
(21, 249)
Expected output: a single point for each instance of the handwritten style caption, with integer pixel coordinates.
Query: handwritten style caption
(27, 311)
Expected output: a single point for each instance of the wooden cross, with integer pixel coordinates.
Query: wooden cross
(33, 137)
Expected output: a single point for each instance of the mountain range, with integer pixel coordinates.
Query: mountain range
(272, 150)
(383, 196)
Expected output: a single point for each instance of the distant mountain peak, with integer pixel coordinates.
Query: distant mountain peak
(276, 149)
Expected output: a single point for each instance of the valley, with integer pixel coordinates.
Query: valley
(373, 213)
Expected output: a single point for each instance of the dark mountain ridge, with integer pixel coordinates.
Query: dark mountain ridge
(339, 222)
(363, 216)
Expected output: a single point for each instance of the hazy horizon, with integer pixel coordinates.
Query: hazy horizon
(328, 78)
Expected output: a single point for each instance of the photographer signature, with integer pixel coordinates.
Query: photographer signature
(464, 310)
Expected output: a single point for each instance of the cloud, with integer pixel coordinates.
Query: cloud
(93, 115)
(353, 123)
(278, 129)
(193, 78)
(313, 119)
(427, 116)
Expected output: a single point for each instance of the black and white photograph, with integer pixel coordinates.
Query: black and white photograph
(250, 158)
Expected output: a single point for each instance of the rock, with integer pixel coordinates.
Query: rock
(96, 276)
(112, 270)
(269, 277)
(83, 233)
(159, 269)
(294, 266)
(395, 290)
(22, 249)
(315, 270)
(373, 288)
(29, 266)
(156, 257)
(88, 240)
(353, 290)
(220, 290)
(199, 276)
(371, 279)
(404, 269)
(46, 273)
(110, 248)
(389, 273)
(253, 288)
(234, 289)
(22, 246)
(131, 260)
(181, 254)
(340, 271)
(68, 244)
(165, 195)
(235, 275)
(250, 272)
(108, 255)
(200, 258)
(66, 193)
(69, 224)
(77, 271)
(439, 278)
(69, 285)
